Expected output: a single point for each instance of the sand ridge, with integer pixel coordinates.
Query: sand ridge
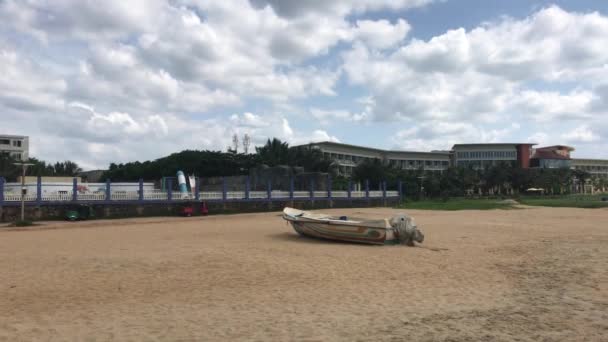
(511, 275)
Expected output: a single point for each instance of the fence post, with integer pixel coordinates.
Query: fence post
(367, 188)
(312, 189)
(197, 188)
(224, 193)
(269, 190)
(169, 189)
(384, 189)
(38, 190)
(108, 190)
(75, 189)
(350, 188)
(400, 190)
(141, 189)
(329, 186)
(291, 186)
(1, 191)
(247, 187)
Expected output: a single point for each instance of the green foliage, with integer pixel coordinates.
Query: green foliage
(216, 163)
(40, 168)
(571, 201)
(456, 204)
(24, 223)
(201, 163)
(500, 179)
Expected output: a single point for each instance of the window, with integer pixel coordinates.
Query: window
(17, 143)
(5, 142)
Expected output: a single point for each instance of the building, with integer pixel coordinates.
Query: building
(480, 156)
(551, 157)
(15, 145)
(596, 167)
(349, 156)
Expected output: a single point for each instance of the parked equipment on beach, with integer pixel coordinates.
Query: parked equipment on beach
(186, 210)
(79, 212)
(181, 181)
(399, 229)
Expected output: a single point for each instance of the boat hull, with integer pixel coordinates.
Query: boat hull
(347, 233)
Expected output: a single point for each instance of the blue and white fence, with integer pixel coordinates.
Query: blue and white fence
(39, 193)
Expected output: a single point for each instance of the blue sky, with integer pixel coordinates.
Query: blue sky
(139, 80)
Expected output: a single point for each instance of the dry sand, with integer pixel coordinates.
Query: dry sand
(503, 275)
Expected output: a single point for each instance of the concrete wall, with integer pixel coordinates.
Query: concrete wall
(57, 211)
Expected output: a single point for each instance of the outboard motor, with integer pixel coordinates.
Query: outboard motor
(406, 229)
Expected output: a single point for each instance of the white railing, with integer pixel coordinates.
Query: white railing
(211, 195)
(357, 194)
(258, 194)
(93, 196)
(320, 194)
(280, 194)
(57, 196)
(159, 195)
(235, 194)
(375, 193)
(339, 194)
(156, 195)
(17, 197)
(125, 196)
(301, 194)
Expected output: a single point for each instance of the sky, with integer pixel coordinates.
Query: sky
(140, 79)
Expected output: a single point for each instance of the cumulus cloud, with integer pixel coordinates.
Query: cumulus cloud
(581, 134)
(437, 135)
(104, 82)
(488, 72)
(381, 34)
(325, 116)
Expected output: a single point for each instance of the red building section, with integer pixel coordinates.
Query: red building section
(523, 155)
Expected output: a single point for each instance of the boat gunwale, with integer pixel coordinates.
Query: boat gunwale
(337, 222)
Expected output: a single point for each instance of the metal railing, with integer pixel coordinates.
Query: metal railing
(135, 192)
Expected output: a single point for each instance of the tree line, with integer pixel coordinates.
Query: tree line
(501, 179)
(10, 171)
(216, 163)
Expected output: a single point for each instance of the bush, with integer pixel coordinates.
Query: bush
(24, 223)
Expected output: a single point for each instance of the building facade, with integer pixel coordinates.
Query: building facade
(480, 156)
(596, 167)
(16, 146)
(347, 157)
(552, 157)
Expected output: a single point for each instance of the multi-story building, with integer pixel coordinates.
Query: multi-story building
(596, 167)
(551, 157)
(348, 156)
(480, 156)
(16, 145)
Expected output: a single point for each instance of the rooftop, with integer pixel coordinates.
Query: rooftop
(370, 148)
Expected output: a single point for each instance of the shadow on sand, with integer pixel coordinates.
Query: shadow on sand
(294, 237)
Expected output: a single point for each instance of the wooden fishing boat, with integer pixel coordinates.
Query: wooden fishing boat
(399, 229)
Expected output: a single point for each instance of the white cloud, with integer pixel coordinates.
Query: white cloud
(381, 34)
(490, 72)
(325, 116)
(437, 135)
(105, 82)
(581, 134)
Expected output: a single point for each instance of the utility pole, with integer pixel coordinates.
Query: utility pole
(421, 186)
(23, 167)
